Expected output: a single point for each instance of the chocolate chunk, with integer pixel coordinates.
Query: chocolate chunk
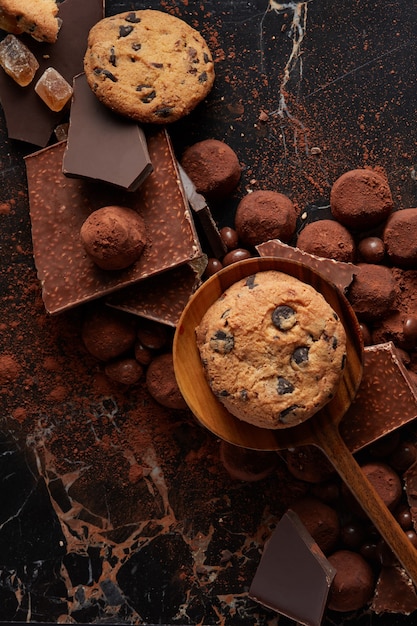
(164, 111)
(222, 342)
(284, 386)
(27, 117)
(300, 355)
(136, 46)
(287, 412)
(132, 18)
(98, 138)
(394, 592)
(106, 73)
(374, 412)
(59, 205)
(149, 97)
(339, 273)
(112, 57)
(124, 31)
(203, 77)
(283, 317)
(293, 577)
(250, 281)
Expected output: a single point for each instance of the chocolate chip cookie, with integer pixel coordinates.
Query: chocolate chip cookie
(273, 350)
(38, 18)
(148, 65)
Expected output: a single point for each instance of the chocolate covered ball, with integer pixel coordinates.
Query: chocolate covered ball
(238, 254)
(329, 239)
(400, 238)
(371, 250)
(114, 237)
(125, 371)
(264, 215)
(308, 463)
(213, 166)
(108, 333)
(372, 291)
(353, 585)
(361, 199)
(321, 521)
(162, 384)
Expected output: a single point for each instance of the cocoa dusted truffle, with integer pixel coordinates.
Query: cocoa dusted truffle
(399, 238)
(264, 215)
(213, 166)
(361, 199)
(328, 239)
(353, 585)
(248, 465)
(385, 481)
(321, 521)
(162, 384)
(108, 333)
(372, 292)
(114, 237)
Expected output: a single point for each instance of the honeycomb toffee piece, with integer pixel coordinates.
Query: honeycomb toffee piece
(17, 60)
(27, 117)
(103, 146)
(339, 273)
(293, 577)
(374, 412)
(53, 89)
(273, 350)
(60, 205)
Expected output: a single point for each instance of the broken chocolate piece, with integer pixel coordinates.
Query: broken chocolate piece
(27, 117)
(60, 205)
(394, 592)
(339, 273)
(103, 146)
(374, 412)
(205, 219)
(293, 577)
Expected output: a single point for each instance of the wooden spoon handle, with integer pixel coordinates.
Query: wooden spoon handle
(328, 438)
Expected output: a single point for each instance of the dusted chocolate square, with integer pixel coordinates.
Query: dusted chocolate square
(60, 205)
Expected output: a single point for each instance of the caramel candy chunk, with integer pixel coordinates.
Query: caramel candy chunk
(17, 60)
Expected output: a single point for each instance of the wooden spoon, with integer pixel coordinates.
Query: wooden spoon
(321, 430)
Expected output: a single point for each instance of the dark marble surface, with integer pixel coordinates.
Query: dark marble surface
(112, 508)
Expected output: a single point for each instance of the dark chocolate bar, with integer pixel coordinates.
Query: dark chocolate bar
(103, 146)
(293, 577)
(28, 118)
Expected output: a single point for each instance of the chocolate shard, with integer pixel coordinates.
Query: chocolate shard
(374, 412)
(103, 146)
(210, 232)
(60, 205)
(339, 273)
(394, 592)
(293, 577)
(27, 117)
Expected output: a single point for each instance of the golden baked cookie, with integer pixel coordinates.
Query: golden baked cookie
(148, 65)
(273, 350)
(38, 18)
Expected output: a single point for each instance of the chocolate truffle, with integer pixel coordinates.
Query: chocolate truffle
(372, 291)
(247, 465)
(308, 463)
(264, 215)
(125, 371)
(108, 333)
(399, 238)
(353, 584)
(213, 166)
(361, 199)
(328, 239)
(385, 481)
(114, 237)
(321, 521)
(162, 384)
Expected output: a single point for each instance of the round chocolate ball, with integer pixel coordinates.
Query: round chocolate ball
(371, 250)
(264, 215)
(329, 239)
(353, 585)
(372, 291)
(385, 481)
(410, 329)
(114, 237)
(361, 199)
(229, 237)
(108, 333)
(239, 254)
(399, 238)
(247, 465)
(308, 463)
(162, 384)
(321, 521)
(124, 371)
(213, 166)
(213, 266)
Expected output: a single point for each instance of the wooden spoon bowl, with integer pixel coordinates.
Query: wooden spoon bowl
(322, 429)
(190, 373)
